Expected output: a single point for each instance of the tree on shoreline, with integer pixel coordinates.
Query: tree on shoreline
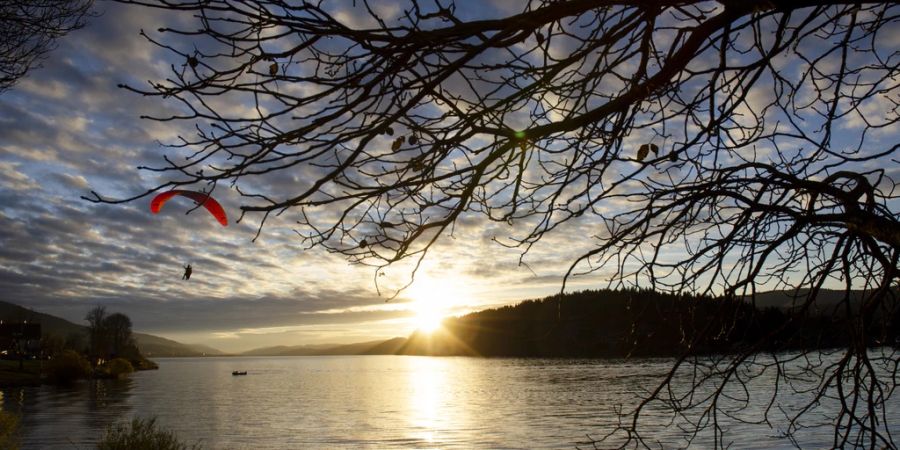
(97, 334)
(109, 335)
(717, 148)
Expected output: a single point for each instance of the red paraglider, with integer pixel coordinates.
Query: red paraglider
(208, 202)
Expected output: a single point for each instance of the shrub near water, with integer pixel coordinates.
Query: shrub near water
(117, 368)
(140, 434)
(9, 430)
(67, 367)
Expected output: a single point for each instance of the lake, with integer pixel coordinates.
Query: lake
(362, 402)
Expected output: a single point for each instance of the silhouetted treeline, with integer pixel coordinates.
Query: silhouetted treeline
(638, 323)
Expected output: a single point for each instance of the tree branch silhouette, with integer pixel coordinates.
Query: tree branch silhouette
(29, 30)
(719, 148)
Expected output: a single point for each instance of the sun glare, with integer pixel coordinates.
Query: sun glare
(428, 319)
(433, 300)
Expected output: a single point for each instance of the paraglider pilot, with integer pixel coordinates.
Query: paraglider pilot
(187, 272)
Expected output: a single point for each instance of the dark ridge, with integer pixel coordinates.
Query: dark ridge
(644, 323)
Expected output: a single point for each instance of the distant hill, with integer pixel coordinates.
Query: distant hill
(825, 303)
(206, 350)
(614, 324)
(379, 347)
(646, 323)
(284, 350)
(15, 313)
(581, 324)
(149, 345)
(388, 347)
(828, 302)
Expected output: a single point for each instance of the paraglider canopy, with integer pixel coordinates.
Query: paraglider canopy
(201, 198)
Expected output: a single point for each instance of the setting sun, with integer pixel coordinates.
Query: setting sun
(428, 316)
(432, 301)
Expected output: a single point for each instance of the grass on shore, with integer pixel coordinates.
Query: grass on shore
(10, 375)
(141, 434)
(34, 372)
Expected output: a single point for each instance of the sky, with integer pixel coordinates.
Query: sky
(66, 129)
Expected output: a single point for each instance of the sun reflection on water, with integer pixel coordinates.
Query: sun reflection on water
(428, 399)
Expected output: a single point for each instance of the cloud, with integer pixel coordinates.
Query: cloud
(67, 129)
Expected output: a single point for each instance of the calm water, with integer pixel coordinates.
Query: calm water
(359, 402)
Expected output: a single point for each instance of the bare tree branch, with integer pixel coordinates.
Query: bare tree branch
(29, 30)
(718, 149)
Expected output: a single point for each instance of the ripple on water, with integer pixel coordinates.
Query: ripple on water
(361, 402)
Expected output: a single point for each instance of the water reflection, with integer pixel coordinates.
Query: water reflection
(361, 402)
(107, 401)
(68, 417)
(428, 391)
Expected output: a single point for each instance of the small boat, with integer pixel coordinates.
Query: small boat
(239, 372)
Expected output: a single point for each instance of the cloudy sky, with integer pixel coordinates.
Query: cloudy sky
(66, 129)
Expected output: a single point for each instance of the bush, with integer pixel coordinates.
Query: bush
(117, 368)
(67, 367)
(141, 363)
(9, 430)
(141, 434)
